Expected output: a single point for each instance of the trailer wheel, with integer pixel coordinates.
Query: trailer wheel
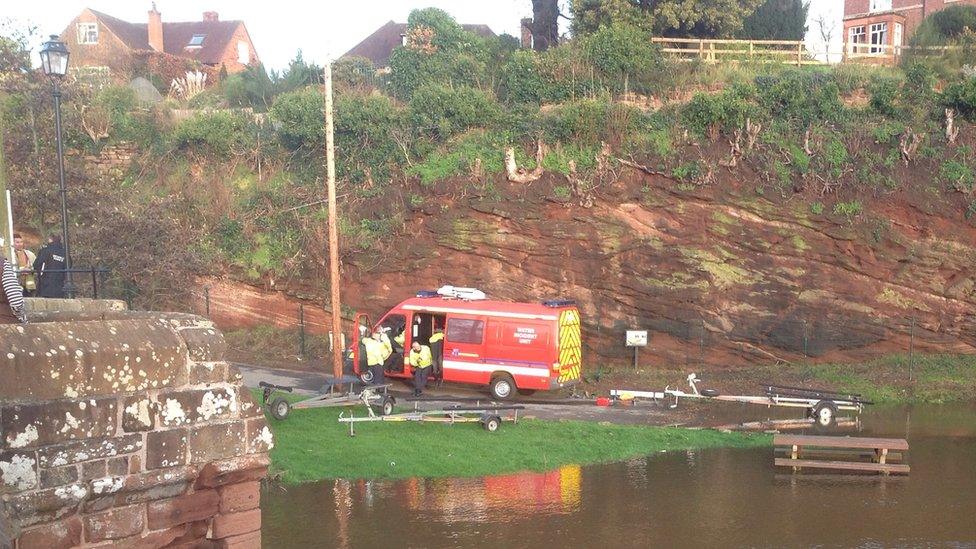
(502, 387)
(491, 423)
(824, 412)
(280, 408)
(367, 376)
(388, 404)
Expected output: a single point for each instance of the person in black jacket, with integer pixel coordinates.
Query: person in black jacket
(49, 265)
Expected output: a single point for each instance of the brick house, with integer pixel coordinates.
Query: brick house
(879, 28)
(379, 46)
(99, 41)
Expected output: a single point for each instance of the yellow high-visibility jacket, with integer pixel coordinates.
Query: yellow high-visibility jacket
(421, 359)
(387, 346)
(438, 336)
(374, 352)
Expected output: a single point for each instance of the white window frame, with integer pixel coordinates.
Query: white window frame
(190, 44)
(243, 52)
(88, 33)
(857, 36)
(879, 37)
(880, 5)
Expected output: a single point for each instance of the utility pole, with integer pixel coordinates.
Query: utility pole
(333, 225)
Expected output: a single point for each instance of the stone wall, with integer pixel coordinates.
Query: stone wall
(126, 429)
(112, 162)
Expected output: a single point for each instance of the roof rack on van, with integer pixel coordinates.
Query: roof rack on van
(559, 303)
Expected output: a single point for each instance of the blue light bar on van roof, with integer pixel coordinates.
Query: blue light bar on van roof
(559, 303)
(427, 293)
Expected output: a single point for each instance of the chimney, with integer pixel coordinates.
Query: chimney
(155, 28)
(210, 16)
(527, 33)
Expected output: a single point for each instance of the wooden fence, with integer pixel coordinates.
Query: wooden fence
(793, 52)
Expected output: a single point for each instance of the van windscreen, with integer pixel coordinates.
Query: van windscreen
(464, 330)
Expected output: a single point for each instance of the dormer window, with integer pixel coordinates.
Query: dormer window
(196, 41)
(87, 33)
(880, 5)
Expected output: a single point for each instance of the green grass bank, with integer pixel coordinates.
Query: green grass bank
(312, 445)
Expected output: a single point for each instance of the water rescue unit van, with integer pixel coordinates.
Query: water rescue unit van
(503, 345)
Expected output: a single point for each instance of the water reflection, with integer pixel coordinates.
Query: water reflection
(721, 497)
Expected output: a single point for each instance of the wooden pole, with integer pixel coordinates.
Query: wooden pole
(333, 225)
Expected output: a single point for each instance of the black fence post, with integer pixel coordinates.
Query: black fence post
(701, 345)
(206, 298)
(301, 329)
(94, 276)
(806, 340)
(687, 344)
(911, 352)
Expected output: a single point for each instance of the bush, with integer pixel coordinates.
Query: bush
(222, 133)
(958, 175)
(725, 112)
(300, 119)
(961, 96)
(850, 209)
(884, 91)
(522, 80)
(250, 88)
(459, 158)
(441, 111)
(128, 121)
(353, 73)
(365, 127)
(588, 122)
(620, 51)
(801, 98)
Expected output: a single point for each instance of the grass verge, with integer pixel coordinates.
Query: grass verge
(312, 445)
(893, 379)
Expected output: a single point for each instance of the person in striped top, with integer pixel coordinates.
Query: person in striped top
(11, 295)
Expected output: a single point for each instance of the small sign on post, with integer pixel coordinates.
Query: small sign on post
(636, 339)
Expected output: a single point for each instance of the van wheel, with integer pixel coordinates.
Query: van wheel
(367, 376)
(526, 392)
(280, 408)
(502, 386)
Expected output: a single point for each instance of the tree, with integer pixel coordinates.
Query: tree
(697, 18)
(777, 20)
(545, 24)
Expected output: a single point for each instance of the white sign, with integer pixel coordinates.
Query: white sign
(636, 338)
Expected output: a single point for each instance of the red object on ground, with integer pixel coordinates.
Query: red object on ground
(603, 401)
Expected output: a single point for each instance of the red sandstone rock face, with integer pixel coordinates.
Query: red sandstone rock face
(129, 431)
(718, 274)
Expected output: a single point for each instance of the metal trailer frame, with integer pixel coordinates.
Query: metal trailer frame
(821, 404)
(370, 395)
(489, 417)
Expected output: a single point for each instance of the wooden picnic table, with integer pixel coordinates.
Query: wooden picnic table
(879, 450)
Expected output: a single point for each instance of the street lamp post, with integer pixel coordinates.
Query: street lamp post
(54, 62)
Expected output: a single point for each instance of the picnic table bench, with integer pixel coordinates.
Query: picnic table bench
(845, 453)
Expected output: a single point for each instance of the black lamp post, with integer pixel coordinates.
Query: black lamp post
(54, 62)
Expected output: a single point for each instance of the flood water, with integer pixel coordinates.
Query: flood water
(713, 498)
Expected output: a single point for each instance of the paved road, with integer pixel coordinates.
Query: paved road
(309, 383)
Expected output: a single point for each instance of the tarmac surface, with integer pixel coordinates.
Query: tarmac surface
(687, 414)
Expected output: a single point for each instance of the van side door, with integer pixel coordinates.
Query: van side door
(464, 342)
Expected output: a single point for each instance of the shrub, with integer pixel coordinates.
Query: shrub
(353, 73)
(459, 158)
(883, 93)
(726, 111)
(441, 111)
(801, 98)
(365, 127)
(222, 133)
(817, 208)
(961, 96)
(621, 50)
(850, 209)
(522, 80)
(299, 118)
(886, 131)
(249, 88)
(958, 175)
(836, 156)
(128, 121)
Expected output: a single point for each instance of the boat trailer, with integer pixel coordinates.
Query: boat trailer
(821, 404)
(331, 396)
(489, 417)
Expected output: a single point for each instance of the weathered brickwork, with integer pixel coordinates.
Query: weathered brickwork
(126, 429)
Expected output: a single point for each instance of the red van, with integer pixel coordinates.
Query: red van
(524, 347)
